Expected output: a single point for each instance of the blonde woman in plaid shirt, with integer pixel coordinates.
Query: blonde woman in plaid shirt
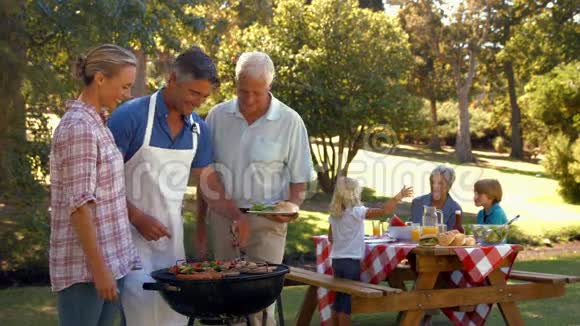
(90, 244)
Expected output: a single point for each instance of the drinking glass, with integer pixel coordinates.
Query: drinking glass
(415, 232)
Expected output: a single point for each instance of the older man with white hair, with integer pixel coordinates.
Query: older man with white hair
(262, 152)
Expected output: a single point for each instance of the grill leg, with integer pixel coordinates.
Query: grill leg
(190, 321)
(248, 322)
(280, 310)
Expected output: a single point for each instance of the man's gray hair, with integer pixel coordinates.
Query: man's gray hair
(446, 172)
(256, 65)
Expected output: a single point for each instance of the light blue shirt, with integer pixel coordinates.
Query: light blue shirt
(448, 209)
(496, 215)
(129, 121)
(258, 162)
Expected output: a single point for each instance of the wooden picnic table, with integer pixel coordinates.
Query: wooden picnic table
(426, 268)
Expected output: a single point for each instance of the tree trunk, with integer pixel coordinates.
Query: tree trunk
(12, 110)
(326, 182)
(140, 87)
(463, 142)
(517, 143)
(434, 143)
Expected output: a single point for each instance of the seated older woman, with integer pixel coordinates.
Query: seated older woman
(441, 180)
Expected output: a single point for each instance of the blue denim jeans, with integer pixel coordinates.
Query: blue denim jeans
(349, 269)
(80, 304)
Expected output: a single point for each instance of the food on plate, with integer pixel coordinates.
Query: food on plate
(287, 207)
(263, 208)
(396, 221)
(469, 240)
(445, 238)
(428, 240)
(455, 238)
(280, 207)
(458, 240)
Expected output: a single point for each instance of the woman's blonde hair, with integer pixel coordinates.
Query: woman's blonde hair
(346, 195)
(106, 58)
(491, 188)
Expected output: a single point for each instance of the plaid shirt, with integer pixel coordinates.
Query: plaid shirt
(85, 166)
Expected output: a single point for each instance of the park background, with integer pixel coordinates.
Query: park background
(388, 90)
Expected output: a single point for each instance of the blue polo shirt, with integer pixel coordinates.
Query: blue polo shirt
(129, 121)
(448, 209)
(496, 215)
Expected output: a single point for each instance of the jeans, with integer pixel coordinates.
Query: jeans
(80, 304)
(349, 269)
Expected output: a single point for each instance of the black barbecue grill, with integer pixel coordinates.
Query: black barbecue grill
(222, 301)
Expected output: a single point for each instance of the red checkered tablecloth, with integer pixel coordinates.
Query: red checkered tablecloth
(479, 262)
(381, 259)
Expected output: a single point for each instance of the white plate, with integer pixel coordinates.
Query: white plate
(271, 213)
(375, 241)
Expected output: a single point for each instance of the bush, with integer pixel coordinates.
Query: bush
(25, 243)
(562, 160)
(447, 112)
(571, 233)
(516, 235)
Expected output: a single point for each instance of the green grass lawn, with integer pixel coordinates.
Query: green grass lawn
(36, 305)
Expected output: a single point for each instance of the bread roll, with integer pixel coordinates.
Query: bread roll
(469, 241)
(286, 207)
(459, 240)
(445, 238)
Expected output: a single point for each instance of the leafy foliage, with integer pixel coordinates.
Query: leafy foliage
(554, 99)
(430, 76)
(342, 68)
(562, 160)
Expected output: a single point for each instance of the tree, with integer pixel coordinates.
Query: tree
(554, 99)
(464, 38)
(342, 68)
(509, 15)
(12, 124)
(41, 42)
(546, 30)
(422, 20)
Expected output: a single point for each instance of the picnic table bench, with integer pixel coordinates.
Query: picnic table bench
(375, 298)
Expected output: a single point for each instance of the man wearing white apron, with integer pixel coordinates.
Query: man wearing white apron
(162, 140)
(262, 151)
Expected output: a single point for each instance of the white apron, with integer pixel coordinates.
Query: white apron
(156, 180)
